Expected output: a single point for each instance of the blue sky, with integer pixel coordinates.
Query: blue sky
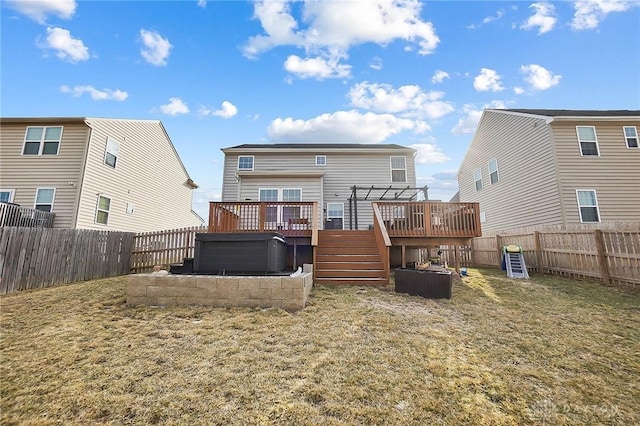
(223, 73)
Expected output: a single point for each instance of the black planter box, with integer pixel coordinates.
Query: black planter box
(425, 283)
(239, 252)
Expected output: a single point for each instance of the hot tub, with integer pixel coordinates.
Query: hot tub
(261, 252)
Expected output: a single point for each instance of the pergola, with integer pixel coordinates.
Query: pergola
(382, 193)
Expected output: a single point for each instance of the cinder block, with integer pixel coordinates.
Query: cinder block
(175, 291)
(282, 293)
(248, 283)
(164, 280)
(271, 282)
(247, 303)
(218, 292)
(259, 293)
(166, 301)
(297, 293)
(155, 291)
(137, 300)
(229, 283)
(307, 268)
(145, 279)
(197, 292)
(205, 281)
(292, 282)
(136, 289)
(243, 293)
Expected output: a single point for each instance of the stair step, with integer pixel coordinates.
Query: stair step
(349, 273)
(347, 258)
(347, 243)
(344, 250)
(376, 282)
(322, 265)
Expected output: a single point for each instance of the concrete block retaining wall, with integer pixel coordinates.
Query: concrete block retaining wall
(286, 292)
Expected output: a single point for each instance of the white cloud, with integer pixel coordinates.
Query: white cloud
(489, 19)
(319, 68)
(429, 154)
(376, 63)
(439, 76)
(589, 13)
(539, 77)
(202, 3)
(342, 126)
(174, 107)
(155, 49)
(38, 10)
(226, 111)
(409, 101)
(518, 90)
(468, 123)
(67, 48)
(488, 79)
(544, 18)
(331, 28)
(96, 95)
(442, 185)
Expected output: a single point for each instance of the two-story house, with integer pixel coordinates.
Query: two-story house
(352, 210)
(95, 173)
(534, 167)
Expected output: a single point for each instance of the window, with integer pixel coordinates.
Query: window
(631, 136)
(245, 162)
(6, 195)
(291, 212)
(335, 216)
(111, 153)
(102, 211)
(131, 208)
(477, 176)
(398, 169)
(44, 199)
(588, 140)
(272, 211)
(321, 160)
(483, 217)
(42, 140)
(493, 171)
(588, 205)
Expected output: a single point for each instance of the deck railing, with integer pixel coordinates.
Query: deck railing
(15, 215)
(292, 219)
(382, 238)
(430, 219)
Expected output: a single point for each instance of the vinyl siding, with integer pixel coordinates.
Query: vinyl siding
(148, 174)
(615, 174)
(342, 171)
(25, 173)
(526, 193)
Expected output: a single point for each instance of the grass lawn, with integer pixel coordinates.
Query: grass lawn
(547, 350)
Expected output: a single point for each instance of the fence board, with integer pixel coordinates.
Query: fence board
(41, 257)
(163, 248)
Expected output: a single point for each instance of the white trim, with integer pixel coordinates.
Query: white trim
(626, 138)
(325, 160)
(336, 217)
(595, 135)
(53, 198)
(12, 193)
(98, 209)
(253, 162)
(106, 151)
(476, 180)
(491, 182)
(392, 169)
(42, 140)
(595, 197)
(483, 217)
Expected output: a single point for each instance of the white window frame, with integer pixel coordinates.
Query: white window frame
(12, 193)
(396, 169)
(626, 138)
(131, 208)
(253, 160)
(111, 141)
(42, 140)
(280, 198)
(477, 172)
(595, 135)
(491, 172)
(595, 197)
(335, 217)
(53, 199)
(98, 209)
(483, 217)
(323, 162)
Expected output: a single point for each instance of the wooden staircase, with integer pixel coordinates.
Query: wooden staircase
(348, 257)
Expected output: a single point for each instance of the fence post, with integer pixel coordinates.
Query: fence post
(602, 256)
(538, 247)
(499, 247)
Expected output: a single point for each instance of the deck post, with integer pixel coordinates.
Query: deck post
(404, 256)
(456, 258)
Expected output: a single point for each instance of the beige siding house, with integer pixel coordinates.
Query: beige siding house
(96, 173)
(324, 173)
(529, 168)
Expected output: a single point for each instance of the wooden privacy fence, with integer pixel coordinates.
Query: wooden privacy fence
(611, 256)
(163, 248)
(43, 257)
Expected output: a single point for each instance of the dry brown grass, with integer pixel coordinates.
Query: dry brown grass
(545, 351)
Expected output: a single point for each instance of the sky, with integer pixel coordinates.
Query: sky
(223, 73)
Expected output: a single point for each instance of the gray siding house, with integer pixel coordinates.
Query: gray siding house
(324, 173)
(533, 167)
(96, 173)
